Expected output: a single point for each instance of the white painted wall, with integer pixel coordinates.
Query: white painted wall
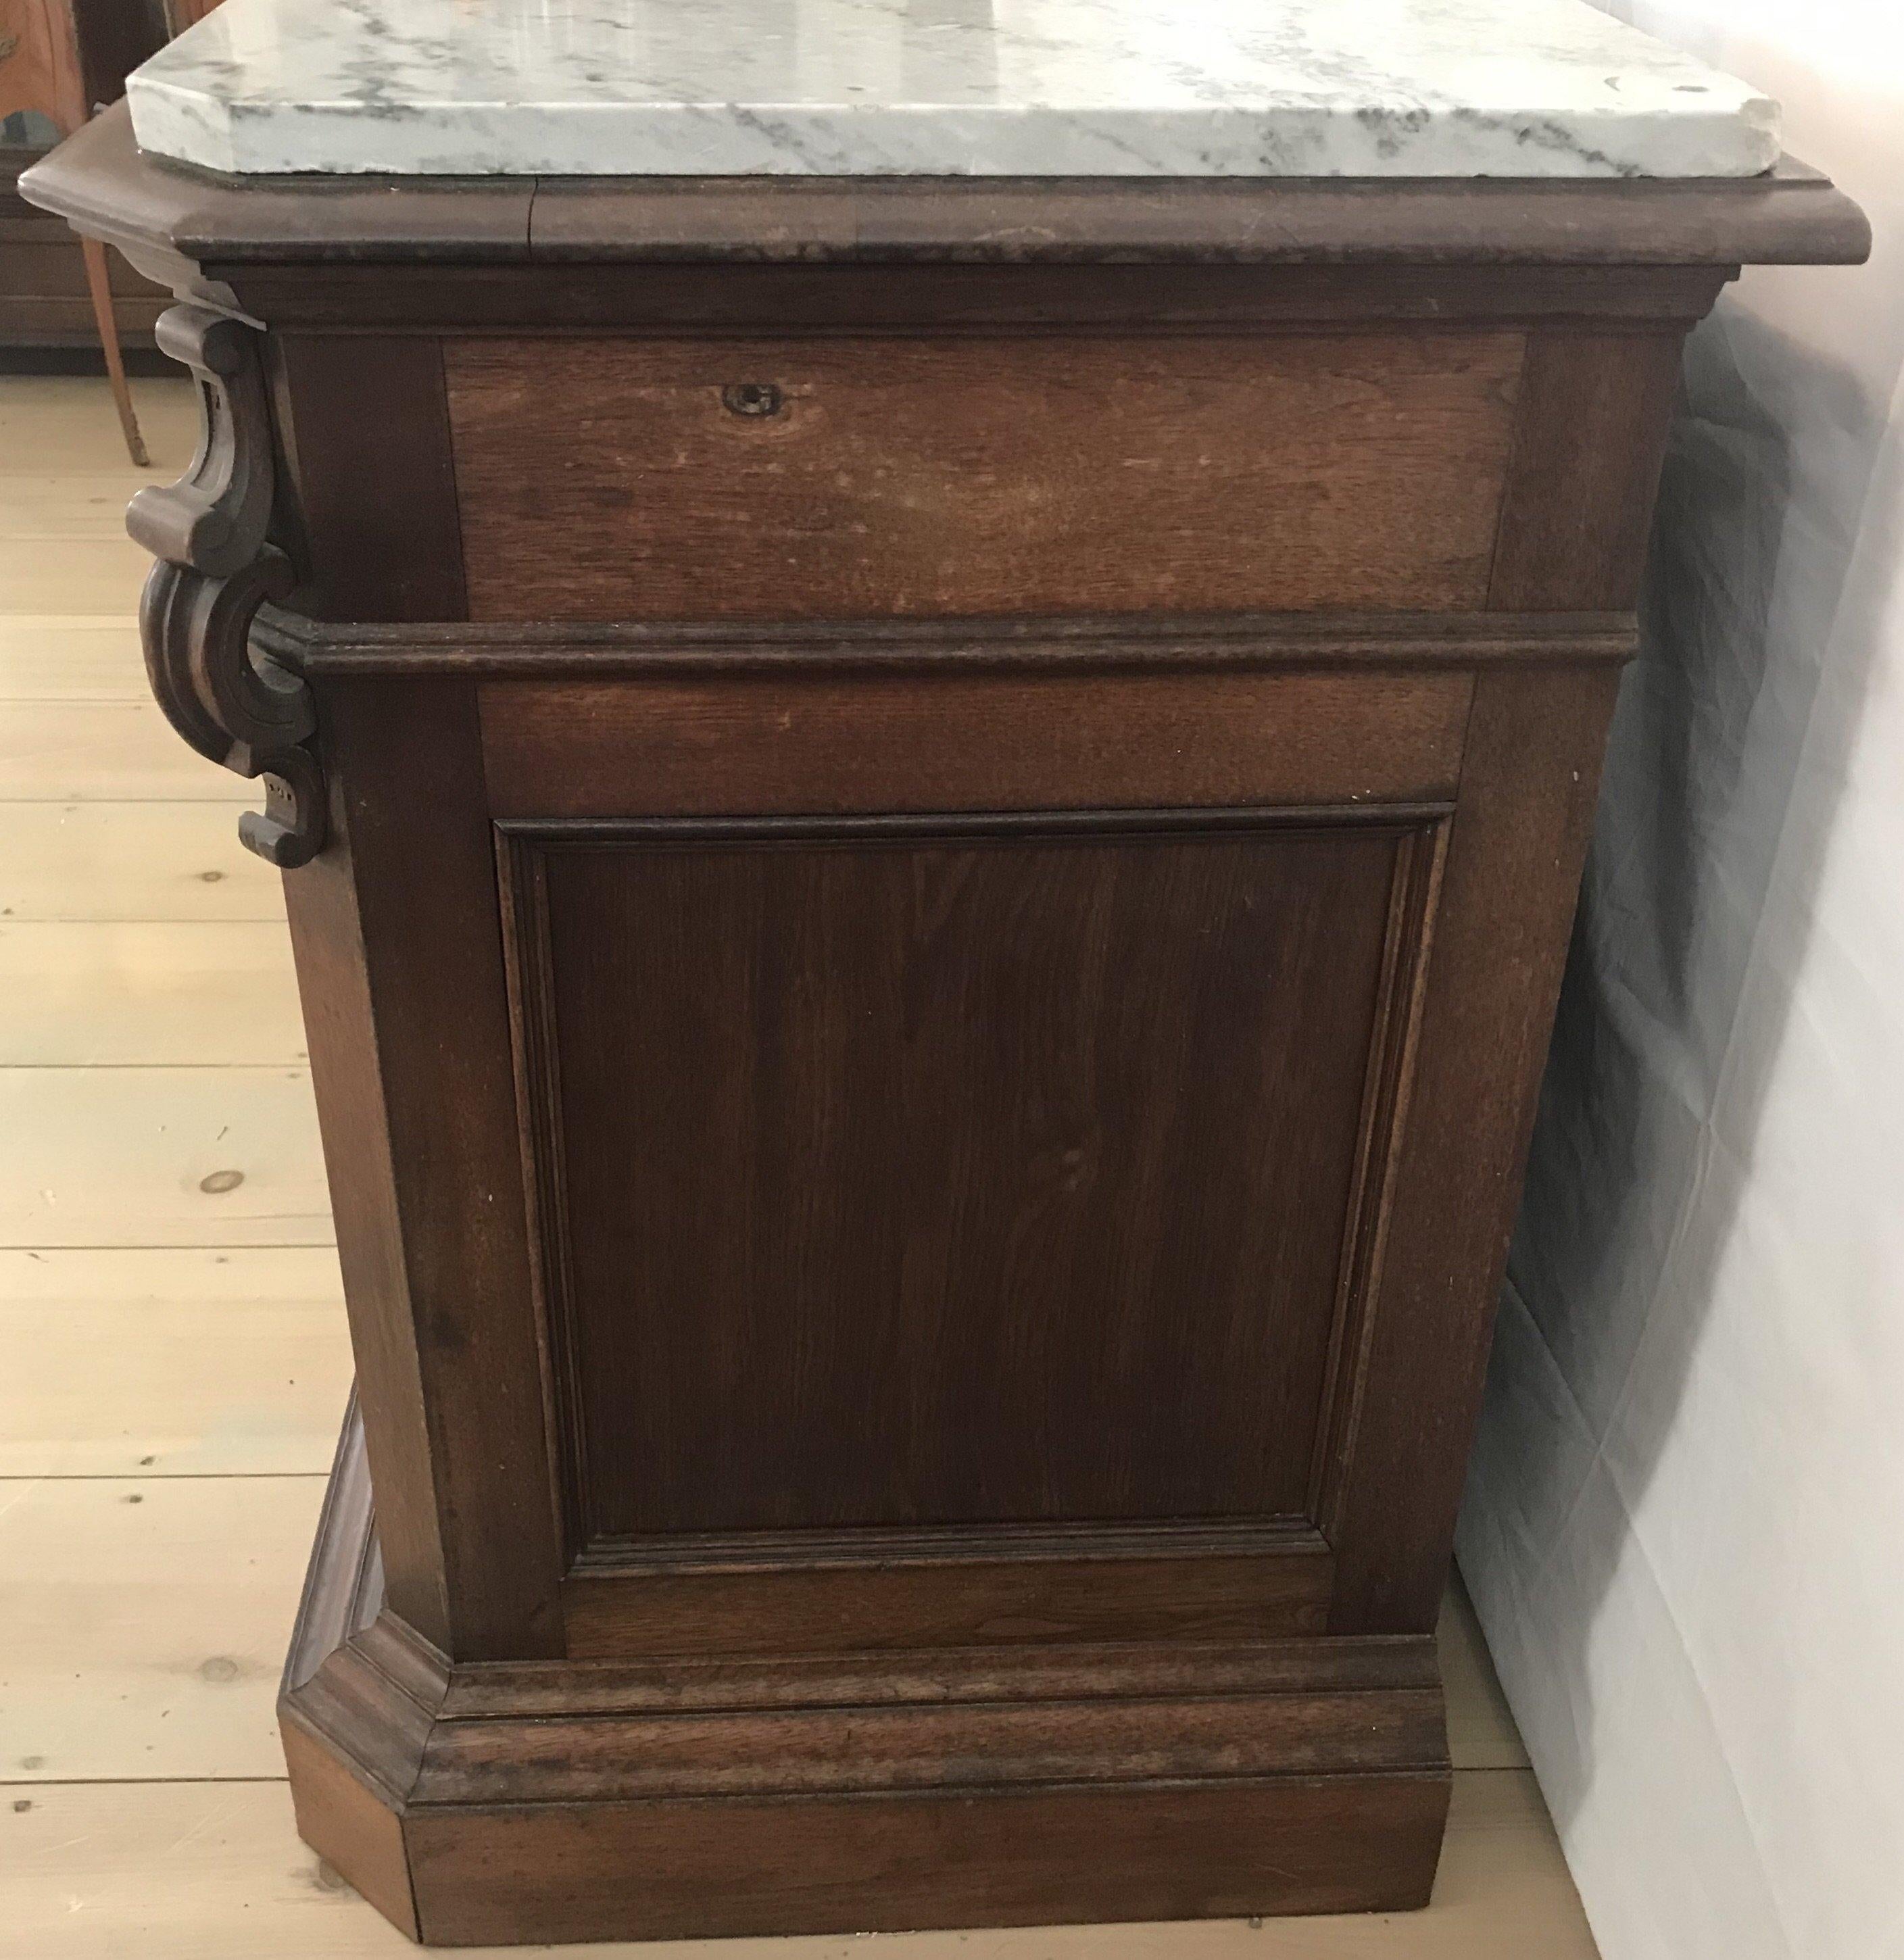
(1685, 1525)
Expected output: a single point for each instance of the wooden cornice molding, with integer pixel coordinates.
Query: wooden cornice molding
(163, 213)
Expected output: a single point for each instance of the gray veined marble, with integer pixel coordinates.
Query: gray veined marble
(1257, 88)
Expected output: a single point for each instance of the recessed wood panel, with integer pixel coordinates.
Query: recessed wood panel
(937, 1177)
(638, 479)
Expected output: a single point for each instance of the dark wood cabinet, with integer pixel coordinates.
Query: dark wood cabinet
(928, 880)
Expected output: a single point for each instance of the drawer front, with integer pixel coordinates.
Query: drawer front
(762, 479)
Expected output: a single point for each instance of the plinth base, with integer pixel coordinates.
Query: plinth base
(492, 1803)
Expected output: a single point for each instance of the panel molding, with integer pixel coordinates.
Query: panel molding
(597, 1561)
(609, 1552)
(1413, 898)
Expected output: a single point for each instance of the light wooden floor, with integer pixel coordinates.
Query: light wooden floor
(172, 1363)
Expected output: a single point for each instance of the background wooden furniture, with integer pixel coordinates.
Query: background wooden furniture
(43, 67)
(920, 1192)
(45, 303)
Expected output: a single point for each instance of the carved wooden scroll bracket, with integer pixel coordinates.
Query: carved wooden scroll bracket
(231, 702)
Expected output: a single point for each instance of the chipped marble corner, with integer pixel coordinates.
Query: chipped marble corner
(230, 701)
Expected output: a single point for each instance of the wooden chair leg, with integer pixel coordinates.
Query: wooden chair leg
(98, 283)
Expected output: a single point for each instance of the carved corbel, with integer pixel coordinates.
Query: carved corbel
(229, 700)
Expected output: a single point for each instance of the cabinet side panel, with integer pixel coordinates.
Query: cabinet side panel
(333, 984)
(1515, 850)
(1590, 434)
(437, 1197)
(364, 434)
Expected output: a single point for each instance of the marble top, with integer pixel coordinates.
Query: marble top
(1145, 88)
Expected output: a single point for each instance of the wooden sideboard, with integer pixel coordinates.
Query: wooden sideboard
(929, 831)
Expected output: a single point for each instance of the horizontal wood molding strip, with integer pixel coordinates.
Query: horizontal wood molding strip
(1283, 220)
(102, 181)
(957, 742)
(887, 1547)
(1108, 1670)
(1083, 643)
(977, 1747)
(943, 299)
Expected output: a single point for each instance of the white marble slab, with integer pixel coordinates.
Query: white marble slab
(1254, 88)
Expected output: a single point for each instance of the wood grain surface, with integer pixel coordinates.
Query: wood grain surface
(937, 1141)
(950, 740)
(615, 479)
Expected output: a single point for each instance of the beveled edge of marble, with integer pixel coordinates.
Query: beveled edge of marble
(105, 186)
(873, 88)
(1738, 138)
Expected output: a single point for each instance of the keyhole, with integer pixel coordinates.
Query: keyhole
(752, 397)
